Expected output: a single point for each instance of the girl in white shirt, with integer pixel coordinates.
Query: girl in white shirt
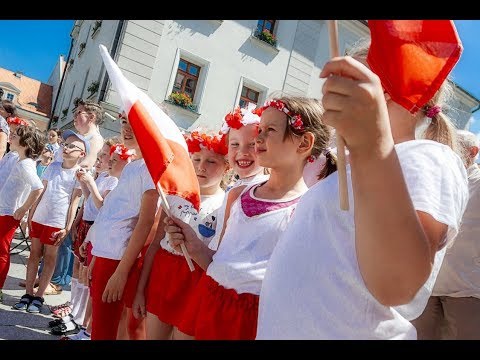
(240, 129)
(339, 274)
(225, 304)
(20, 190)
(11, 158)
(167, 296)
(118, 235)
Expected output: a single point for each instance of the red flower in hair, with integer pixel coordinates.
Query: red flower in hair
(16, 121)
(234, 119)
(196, 141)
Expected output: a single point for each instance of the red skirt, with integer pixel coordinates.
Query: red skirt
(221, 314)
(43, 233)
(81, 234)
(170, 286)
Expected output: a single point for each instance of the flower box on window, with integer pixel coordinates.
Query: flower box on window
(96, 26)
(267, 37)
(93, 87)
(82, 47)
(182, 100)
(64, 113)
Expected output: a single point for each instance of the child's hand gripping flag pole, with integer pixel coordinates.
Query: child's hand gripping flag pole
(160, 140)
(341, 163)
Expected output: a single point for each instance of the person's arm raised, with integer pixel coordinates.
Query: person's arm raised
(393, 250)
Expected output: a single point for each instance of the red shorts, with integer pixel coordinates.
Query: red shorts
(89, 253)
(170, 286)
(220, 314)
(82, 230)
(43, 233)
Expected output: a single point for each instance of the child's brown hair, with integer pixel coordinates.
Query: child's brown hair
(33, 139)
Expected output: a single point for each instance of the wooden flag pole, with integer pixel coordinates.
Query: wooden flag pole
(166, 207)
(341, 163)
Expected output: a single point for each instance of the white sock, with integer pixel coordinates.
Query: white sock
(73, 289)
(77, 299)
(82, 306)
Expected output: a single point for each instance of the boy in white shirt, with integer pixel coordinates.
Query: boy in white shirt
(21, 189)
(51, 217)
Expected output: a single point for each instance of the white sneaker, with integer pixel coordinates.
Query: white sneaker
(81, 335)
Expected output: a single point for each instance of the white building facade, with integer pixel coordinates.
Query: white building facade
(218, 63)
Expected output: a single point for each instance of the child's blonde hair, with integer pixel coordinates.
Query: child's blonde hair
(311, 111)
(441, 128)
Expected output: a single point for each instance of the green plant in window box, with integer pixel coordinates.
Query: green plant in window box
(65, 112)
(93, 87)
(267, 37)
(180, 99)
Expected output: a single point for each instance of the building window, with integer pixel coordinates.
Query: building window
(186, 79)
(265, 25)
(248, 96)
(10, 97)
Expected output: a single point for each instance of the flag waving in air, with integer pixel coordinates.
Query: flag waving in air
(413, 57)
(160, 140)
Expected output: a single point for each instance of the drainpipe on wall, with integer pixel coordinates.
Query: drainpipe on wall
(116, 40)
(61, 83)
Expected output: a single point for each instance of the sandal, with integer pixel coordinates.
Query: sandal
(24, 302)
(53, 289)
(56, 307)
(62, 312)
(66, 329)
(35, 305)
(56, 322)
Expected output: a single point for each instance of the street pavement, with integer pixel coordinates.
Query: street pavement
(21, 325)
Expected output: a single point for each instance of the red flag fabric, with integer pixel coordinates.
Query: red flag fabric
(159, 138)
(413, 57)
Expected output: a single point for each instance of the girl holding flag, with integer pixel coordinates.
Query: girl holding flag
(225, 303)
(339, 275)
(170, 282)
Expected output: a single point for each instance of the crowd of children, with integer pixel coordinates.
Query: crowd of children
(274, 256)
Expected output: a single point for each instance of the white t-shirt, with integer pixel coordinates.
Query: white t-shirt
(119, 214)
(221, 211)
(204, 222)
(242, 257)
(53, 207)
(104, 183)
(460, 272)
(313, 288)
(22, 180)
(6, 165)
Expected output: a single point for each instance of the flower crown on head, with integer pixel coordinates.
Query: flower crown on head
(240, 117)
(198, 140)
(123, 152)
(16, 121)
(294, 120)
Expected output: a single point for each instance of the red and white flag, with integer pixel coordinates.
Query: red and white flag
(412, 58)
(160, 140)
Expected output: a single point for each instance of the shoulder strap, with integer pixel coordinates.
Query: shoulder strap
(232, 196)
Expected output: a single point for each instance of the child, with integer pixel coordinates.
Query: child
(107, 179)
(7, 109)
(240, 128)
(10, 159)
(51, 218)
(46, 157)
(21, 189)
(167, 295)
(53, 135)
(118, 235)
(338, 275)
(225, 304)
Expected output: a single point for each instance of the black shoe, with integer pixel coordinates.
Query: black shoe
(66, 329)
(57, 322)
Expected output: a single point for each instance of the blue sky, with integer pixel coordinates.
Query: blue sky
(33, 46)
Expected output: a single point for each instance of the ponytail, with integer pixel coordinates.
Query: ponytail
(442, 130)
(330, 165)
